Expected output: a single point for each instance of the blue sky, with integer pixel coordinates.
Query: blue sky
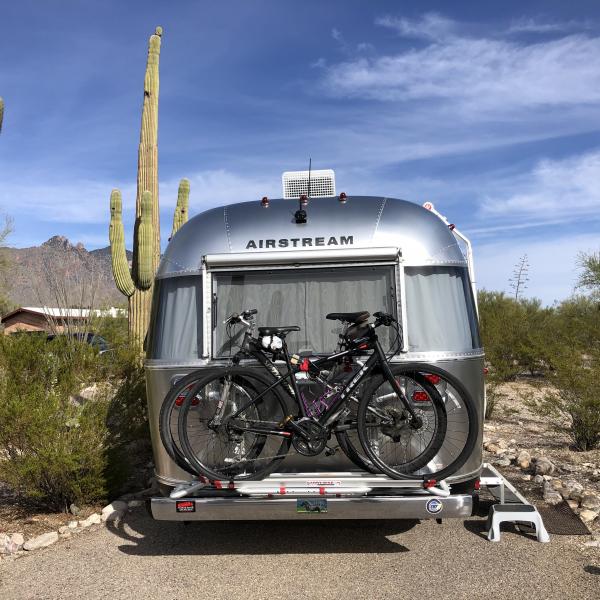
(490, 110)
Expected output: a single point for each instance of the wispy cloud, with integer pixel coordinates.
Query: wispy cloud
(554, 188)
(431, 26)
(479, 74)
(530, 25)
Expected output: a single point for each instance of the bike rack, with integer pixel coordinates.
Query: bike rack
(312, 484)
(512, 508)
(328, 495)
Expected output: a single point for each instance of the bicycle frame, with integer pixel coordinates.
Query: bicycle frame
(332, 413)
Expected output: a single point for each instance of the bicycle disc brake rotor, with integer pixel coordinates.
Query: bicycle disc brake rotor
(401, 423)
(317, 438)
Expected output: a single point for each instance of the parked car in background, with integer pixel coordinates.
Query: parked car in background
(93, 339)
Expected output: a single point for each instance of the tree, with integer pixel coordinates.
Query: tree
(589, 277)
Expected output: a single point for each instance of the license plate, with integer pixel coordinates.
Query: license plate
(311, 505)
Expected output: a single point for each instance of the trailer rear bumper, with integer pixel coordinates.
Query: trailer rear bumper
(422, 506)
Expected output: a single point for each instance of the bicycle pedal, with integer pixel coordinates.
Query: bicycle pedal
(285, 421)
(329, 451)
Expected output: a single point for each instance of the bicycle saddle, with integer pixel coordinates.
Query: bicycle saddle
(281, 331)
(353, 317)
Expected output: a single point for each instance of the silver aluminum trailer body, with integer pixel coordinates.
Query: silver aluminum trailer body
(372, 244)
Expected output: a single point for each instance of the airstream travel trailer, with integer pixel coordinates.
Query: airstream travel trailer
(295, 264)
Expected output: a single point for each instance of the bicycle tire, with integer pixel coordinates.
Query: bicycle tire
(165, 418)
(433, 415)
(349, 448)
(250, 383)
(470, 411)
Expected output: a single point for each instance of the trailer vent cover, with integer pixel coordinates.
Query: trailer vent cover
(295, 183)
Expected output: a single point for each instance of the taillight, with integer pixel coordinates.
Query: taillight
(477, 484)
(435, 379)
(420, 396)
(180, 400)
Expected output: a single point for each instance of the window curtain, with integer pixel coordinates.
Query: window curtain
(176, 328)
(440, 310)
(303, 297)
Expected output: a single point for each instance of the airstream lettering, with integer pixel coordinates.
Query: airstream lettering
(401, 259)
(342, 240)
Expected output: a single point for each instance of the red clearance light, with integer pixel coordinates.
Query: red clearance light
(264, 202)
(420, 396)
(435, 379)
(303, 200)
(451, 227)
(343, 198)
(477, 485)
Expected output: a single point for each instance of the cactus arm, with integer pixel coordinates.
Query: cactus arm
(181, 211)
(118, 255)
(143, 245)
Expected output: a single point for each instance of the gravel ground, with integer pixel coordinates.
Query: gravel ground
(142, 558)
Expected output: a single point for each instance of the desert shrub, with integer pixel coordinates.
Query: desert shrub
(55, 447)
(573, 349)
(514, 335)
(574, 398)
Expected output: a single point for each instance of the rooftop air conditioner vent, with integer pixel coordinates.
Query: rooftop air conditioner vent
(295, 183)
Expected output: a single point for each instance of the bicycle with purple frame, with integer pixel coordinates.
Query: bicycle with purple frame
(237, 424)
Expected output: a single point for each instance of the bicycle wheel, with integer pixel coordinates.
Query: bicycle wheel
(461, 422)
(384, 425)
(219, 447)
(349, 442)
(169, 416)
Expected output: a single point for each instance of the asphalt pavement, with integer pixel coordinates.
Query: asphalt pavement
(146, 559)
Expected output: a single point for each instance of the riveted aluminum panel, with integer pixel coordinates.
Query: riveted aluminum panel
(362, 222)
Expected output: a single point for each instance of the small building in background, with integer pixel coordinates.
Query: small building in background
(55, 320)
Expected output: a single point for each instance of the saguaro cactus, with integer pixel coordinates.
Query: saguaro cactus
(137, 283)
(181, 211)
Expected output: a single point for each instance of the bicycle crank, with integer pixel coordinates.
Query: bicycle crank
(311, 438)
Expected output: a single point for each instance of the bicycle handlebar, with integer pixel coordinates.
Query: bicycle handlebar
(241, 318)
(382, 318)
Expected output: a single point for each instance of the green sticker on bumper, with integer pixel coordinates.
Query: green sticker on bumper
(311, 505)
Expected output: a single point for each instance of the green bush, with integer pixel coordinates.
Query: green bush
(573, 348)
(56, 448)
(514, 335)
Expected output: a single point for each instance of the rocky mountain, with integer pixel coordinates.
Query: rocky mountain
(59, 273)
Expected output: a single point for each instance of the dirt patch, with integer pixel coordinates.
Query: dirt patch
(521, 428)
(19, 517)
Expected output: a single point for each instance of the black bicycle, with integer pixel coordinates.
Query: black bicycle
(236, 423)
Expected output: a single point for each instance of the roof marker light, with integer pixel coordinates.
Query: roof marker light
(264, 202)
(343, 198)
(303, 200)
